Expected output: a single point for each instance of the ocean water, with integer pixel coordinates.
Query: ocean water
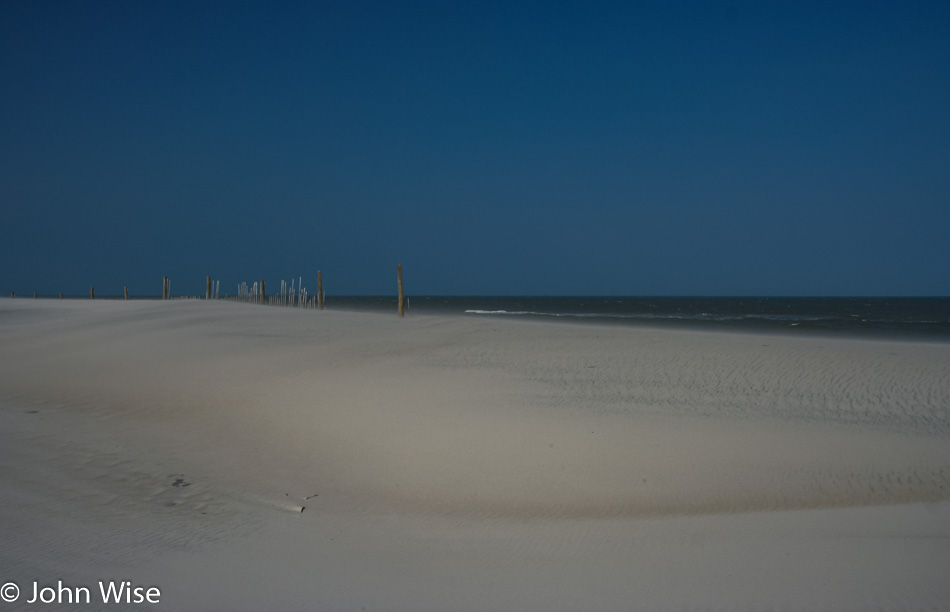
(918, 318)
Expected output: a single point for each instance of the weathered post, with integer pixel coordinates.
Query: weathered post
(125, 292)
(60, 295)
(320, 289)
(12, 294)
(92, 293)
(402, 300)
(263, 295)
(164, 287)
(34, 295)
(208, 288)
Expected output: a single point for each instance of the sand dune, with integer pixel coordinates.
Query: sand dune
(240, 456)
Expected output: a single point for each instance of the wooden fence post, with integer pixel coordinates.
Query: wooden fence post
(208, 288)
(125, 292)
(263, 295)
(164, 287)
(34, 295)
(60, 295)
(402, 302)
(92, 293)
(320, 289)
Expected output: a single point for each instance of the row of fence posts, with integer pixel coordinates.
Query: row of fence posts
(289, 295)
(296, 296)
(92, 292)
(125, 291)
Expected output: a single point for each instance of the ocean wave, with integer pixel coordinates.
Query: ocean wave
(910, 317)
(705, 316)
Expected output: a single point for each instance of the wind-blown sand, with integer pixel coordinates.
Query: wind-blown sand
(453, 463)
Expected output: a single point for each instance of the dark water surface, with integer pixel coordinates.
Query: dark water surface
(918, 318)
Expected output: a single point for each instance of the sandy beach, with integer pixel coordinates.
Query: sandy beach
(243, 457)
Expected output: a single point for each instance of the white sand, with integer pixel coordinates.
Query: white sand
(466, 463)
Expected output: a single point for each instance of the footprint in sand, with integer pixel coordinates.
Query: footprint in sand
(180, 482)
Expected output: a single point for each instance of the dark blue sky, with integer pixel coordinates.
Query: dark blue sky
(628, 148)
